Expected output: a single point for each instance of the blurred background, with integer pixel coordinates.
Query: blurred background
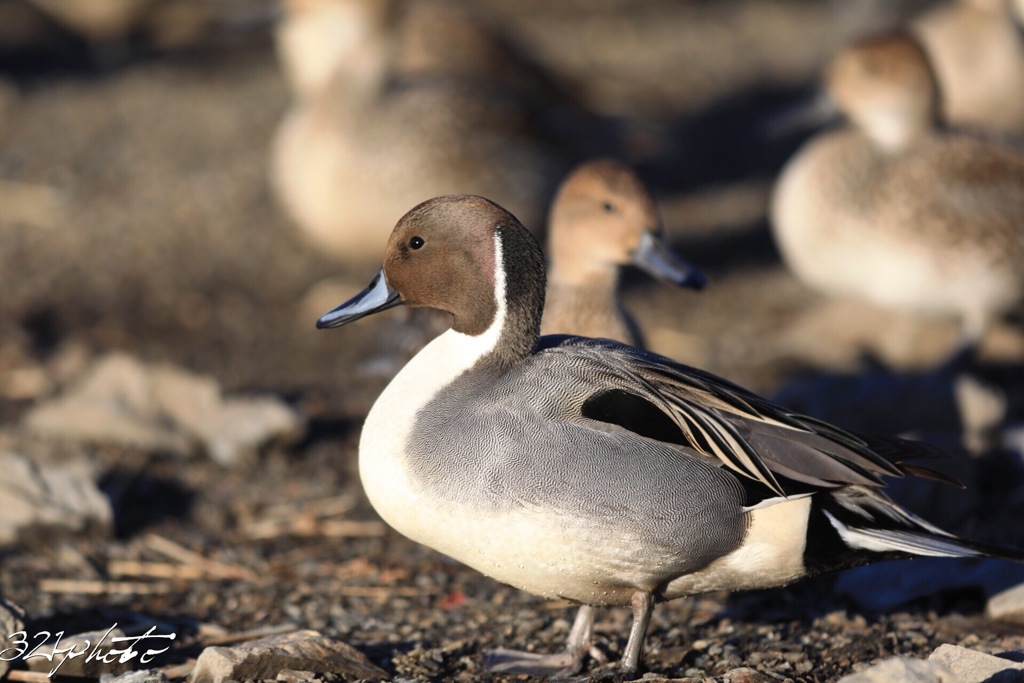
(137, 209)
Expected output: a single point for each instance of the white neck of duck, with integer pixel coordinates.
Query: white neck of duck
(386, 432)
(341, 39)
(895, 132)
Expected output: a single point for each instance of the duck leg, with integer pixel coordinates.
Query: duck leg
(643, 607)
(564, 663)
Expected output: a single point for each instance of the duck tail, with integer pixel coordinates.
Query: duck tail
(906, 455)
(922, 542)
(858, 525)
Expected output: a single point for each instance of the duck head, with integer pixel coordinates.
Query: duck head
(603, 217)
(467, 256)
(886, 87)
(317, 39)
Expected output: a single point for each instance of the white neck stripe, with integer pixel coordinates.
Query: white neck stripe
(489, 338)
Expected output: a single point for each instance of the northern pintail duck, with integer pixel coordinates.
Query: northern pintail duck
(977, 49)
(897, 210)
(593, 471)
(383, 116)
(110, 27)
(421, 38)
(99, 20)
(602, 218)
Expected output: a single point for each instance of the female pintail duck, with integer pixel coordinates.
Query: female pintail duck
(602, 218)
(897, 210)
(977, 49)
(382, 117)
(593, 471)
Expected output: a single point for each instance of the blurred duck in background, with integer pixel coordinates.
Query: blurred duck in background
(99, 20)
(107, 32)
(897, 210)
(602, 218)
(396, 101)
(977, 50)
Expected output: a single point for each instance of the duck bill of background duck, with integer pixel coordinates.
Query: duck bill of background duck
(655, 258)
(810, 112)
(378, 296)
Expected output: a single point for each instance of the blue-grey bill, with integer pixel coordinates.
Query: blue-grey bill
(811, 112)
(657, 259)
(378, 296)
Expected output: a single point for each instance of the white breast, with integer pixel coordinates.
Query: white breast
(383, 446)
(386, 432)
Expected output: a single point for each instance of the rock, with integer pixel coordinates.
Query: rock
(143, 676)
(162, 407)
(267, 657)
(1008, 605)
(227, 428)
(971, 666)
(84, 655)
(245, 424)
(113, 403)
(39, 498)
(748, 675)
(293, 676)
(12, 620)
(903, 670)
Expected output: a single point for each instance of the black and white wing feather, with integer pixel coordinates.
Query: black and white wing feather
(732, 426)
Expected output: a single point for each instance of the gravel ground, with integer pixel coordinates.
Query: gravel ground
(135, 215)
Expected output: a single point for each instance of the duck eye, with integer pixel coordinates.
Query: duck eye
(416, 242)
(608, 207)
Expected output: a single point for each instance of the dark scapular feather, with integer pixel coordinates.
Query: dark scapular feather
(730, 425)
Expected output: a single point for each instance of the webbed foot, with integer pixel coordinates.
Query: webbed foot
(560, 665)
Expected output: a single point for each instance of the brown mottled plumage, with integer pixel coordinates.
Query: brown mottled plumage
(897, 210)
(386, 113)
(977, 49)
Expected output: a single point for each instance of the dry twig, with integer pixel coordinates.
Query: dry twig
(379, 592)
(210, 568)
(252, 634)
(311, 527)
(28, 676)
(157, 570)
(98, 587)
(325, 507)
